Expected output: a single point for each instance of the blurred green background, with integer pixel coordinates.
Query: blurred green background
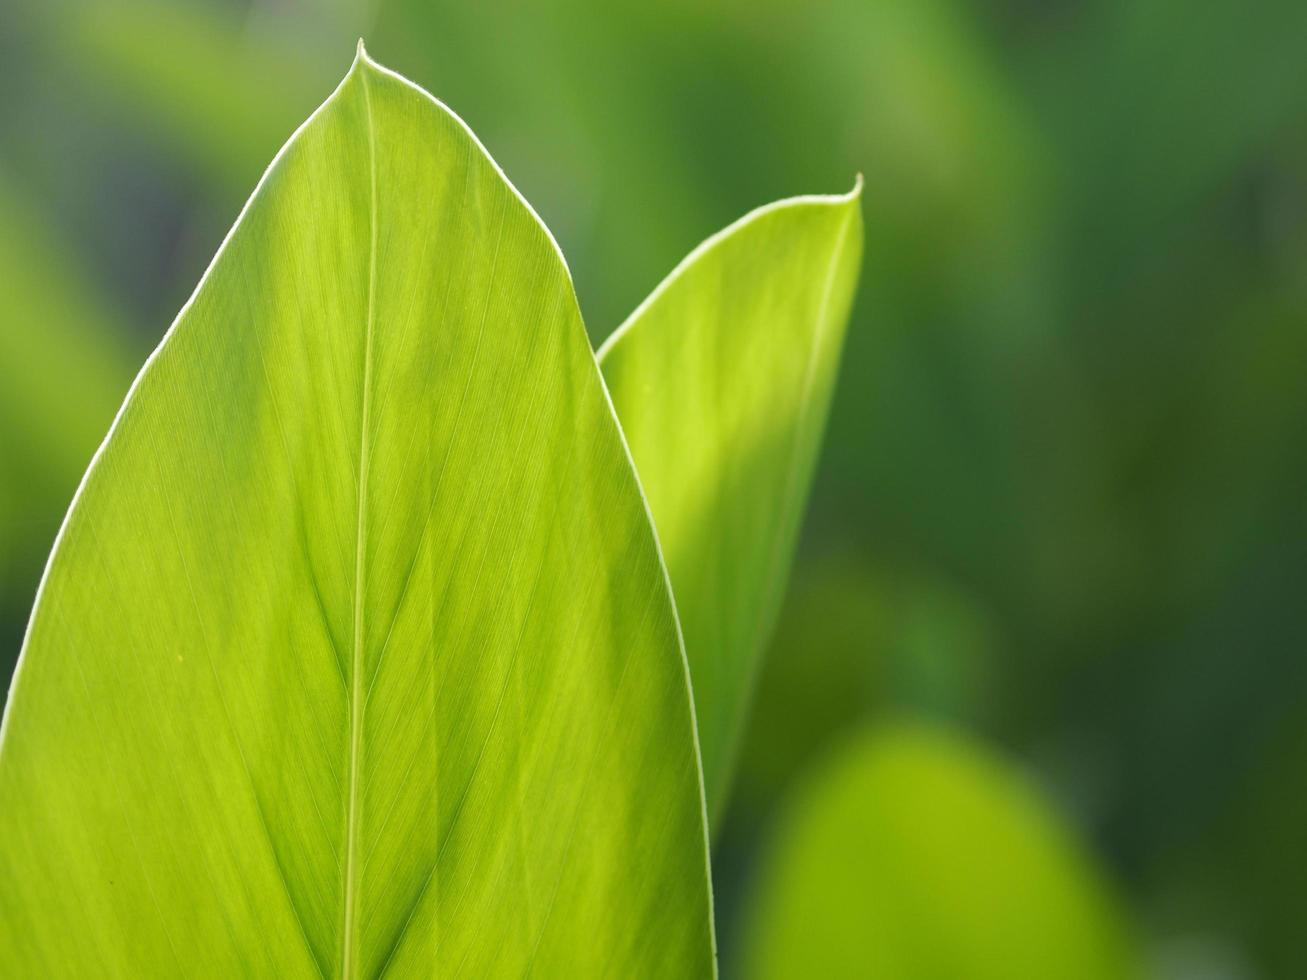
(1062, 507)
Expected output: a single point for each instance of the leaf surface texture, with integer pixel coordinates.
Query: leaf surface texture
(722, 380)
(355, 656)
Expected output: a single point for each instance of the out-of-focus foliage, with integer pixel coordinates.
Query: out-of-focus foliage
(911, 855)
(1061, 497)
(932, 649)
(62, 374)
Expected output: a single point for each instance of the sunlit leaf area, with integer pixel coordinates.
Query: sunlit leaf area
(674, 490)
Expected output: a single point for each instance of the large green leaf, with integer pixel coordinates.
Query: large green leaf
(355, 654)
(913, 855)
(722, 380)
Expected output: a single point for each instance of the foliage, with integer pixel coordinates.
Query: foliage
(721, 380)
(1060, 498)
(910, 854)
(356, 652)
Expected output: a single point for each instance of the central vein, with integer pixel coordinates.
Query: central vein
(360, 556)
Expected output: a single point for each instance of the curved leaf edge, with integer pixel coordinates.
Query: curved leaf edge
(716, 239)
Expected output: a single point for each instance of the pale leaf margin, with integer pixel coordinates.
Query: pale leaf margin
(715, 239)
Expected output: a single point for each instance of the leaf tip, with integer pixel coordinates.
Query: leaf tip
(361, 52)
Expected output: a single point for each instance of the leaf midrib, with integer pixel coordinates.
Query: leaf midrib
(356, 697)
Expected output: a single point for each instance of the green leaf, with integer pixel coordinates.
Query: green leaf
(913, 855)
(355, 654)
(722, 380)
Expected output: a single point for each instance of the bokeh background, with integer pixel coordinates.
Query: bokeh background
(1062, 506)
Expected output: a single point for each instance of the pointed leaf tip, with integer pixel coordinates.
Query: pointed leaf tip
(361, 56)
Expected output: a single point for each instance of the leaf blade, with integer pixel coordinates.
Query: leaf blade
(377, 627)
(722, 381)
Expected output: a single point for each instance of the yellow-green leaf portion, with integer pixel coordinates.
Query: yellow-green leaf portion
(722, 380)
(914, 855)
(355, 655)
